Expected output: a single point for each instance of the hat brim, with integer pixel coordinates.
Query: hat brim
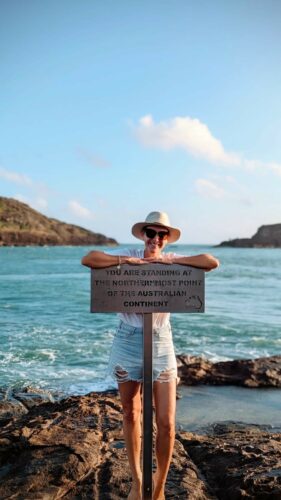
(137, 230)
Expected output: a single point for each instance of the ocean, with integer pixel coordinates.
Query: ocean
(50, 340)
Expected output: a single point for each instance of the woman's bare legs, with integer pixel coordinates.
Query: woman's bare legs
(131, 402)
(165, 408)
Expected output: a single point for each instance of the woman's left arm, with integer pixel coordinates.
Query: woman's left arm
(204, 261)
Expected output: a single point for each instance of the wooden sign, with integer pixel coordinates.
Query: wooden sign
(148, 288)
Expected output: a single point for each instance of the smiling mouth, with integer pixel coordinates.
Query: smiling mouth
(155, 245)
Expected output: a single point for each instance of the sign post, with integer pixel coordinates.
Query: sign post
(145, 289)
(147, 412)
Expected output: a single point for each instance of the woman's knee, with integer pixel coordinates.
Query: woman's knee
(166, 425)
(131, 412)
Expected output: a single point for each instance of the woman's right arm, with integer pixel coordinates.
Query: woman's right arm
(98, 260)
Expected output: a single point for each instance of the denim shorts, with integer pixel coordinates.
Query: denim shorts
(126, 358)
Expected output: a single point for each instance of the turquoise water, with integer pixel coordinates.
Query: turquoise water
(49, 338)
(202, 406)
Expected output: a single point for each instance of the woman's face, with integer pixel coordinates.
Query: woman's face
(155, 239)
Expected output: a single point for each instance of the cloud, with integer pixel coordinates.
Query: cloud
(223, 187)
(186, 133)
(79, 211)
(15, 177)
(39, 204)
(37, 193)
(93, 159)
(22, 198)
(209, 189)
(255, 165)
(275, 167)
(193, 136)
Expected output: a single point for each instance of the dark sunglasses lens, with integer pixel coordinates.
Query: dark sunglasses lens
(150, 233)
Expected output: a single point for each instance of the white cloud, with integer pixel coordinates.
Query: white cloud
(93, 159)
(256, 164)
(41, 203)
(223, 187)
(22, 198)
(15, 177)
(187, 133)
(195, 137)
(275, 167)
(79, 211)
(38, 203)
(209, 189)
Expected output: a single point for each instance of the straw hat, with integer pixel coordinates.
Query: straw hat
(156, 219)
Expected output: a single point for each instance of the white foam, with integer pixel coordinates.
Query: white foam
(85, 388)
(51, 355)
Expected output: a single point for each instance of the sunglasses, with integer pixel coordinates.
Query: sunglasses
(151, 233)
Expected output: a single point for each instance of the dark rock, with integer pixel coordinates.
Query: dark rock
(16, 402)
(260, 372)
(75, 449)
(237, 460)
(21, 225)
(268, 236)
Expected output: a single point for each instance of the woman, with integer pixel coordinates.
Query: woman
(126, 356)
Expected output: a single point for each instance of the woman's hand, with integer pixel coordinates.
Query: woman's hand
(162, 259)
(133, 261)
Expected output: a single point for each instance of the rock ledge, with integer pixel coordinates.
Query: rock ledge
(74, 449)
(260, 372)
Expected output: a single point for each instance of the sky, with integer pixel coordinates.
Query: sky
(110, 110)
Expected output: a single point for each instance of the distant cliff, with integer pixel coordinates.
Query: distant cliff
(266, 237)
(21, 225)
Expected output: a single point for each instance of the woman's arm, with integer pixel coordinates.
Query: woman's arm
(203, 261)
(98, 260)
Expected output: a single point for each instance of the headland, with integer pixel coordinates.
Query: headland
(21, 225)
(267, 236)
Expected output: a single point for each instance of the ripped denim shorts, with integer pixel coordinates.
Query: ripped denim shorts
(126, 358)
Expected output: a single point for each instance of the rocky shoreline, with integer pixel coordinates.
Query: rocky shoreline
(73, 448)
(259, 372)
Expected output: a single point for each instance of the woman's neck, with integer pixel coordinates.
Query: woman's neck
(148, 253)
